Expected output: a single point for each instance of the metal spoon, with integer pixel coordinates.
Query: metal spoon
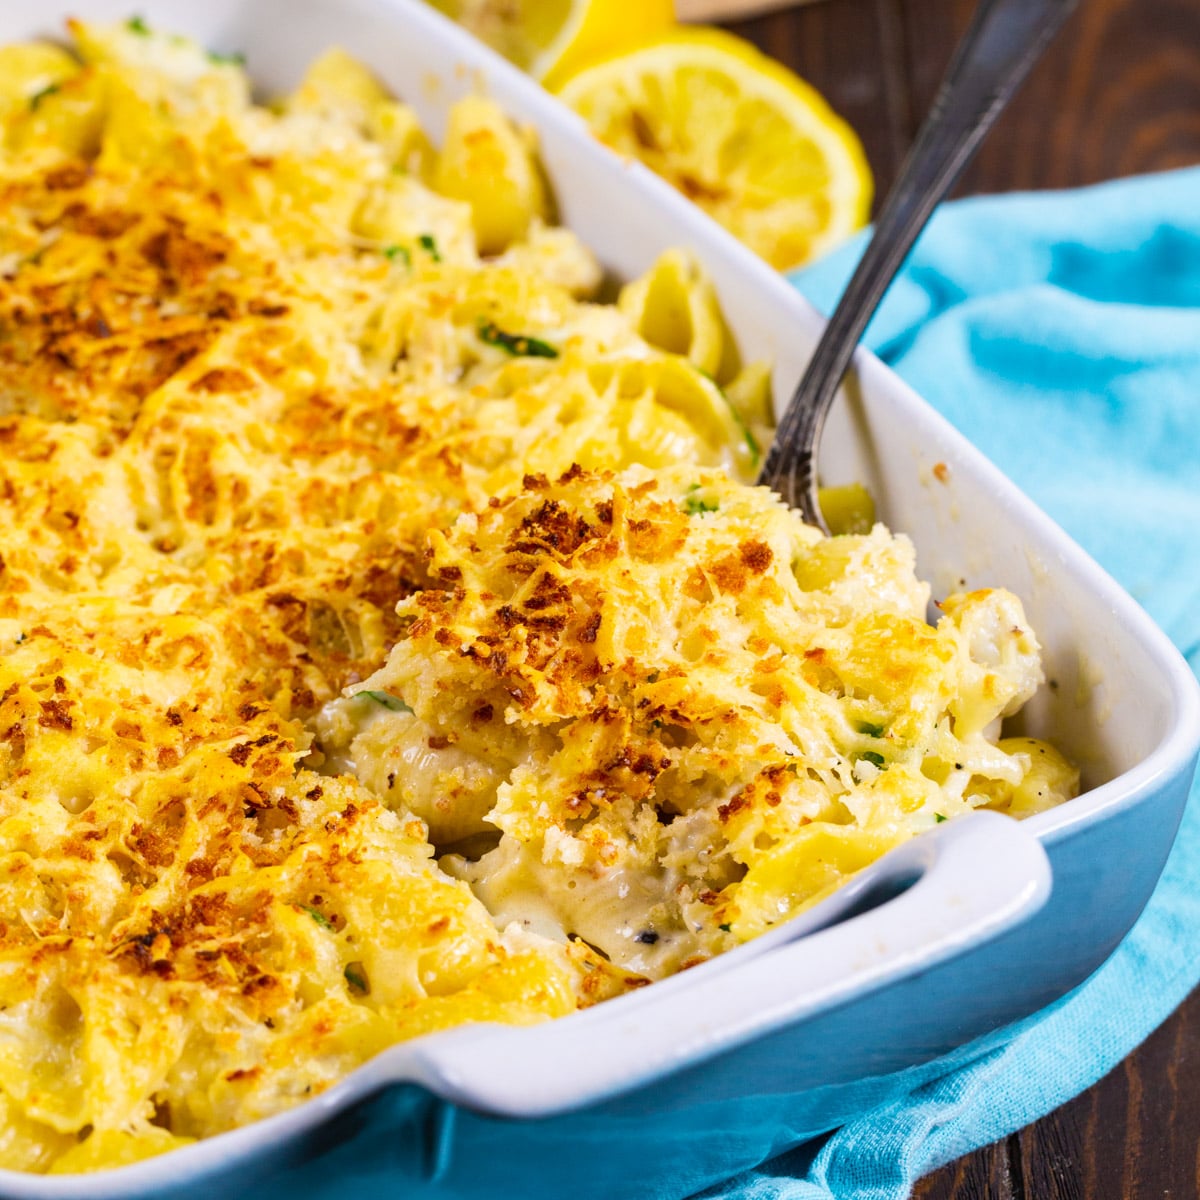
(1005, 39)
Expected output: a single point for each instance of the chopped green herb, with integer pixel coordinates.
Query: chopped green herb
(318, 916)
(875, 731)
(725, 928)
(938, 818)
(749, 438)
(41, 94)
(695, 505)
(428, 242)
(516, 344)
(390, 702)
(876, 759)
(137, 25)
(740, 421)
(234, 59)
(356, 978)
(391, 253)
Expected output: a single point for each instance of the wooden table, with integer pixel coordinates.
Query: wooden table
(1118, 94)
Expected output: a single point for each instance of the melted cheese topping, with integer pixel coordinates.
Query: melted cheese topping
(687, 714)
(385, 641)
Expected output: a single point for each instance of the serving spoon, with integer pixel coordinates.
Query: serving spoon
(1004, 40)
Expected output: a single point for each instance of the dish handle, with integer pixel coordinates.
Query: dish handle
(968, 882)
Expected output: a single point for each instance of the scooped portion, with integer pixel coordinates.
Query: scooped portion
(655, 711)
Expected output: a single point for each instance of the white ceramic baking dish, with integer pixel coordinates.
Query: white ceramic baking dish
(948, 939)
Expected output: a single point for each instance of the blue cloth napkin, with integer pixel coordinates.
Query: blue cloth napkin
(1061, 333)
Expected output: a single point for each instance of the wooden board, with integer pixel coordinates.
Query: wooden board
(728, 10)
(1117, 94)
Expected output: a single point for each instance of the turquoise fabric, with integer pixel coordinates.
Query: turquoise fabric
(1061, 333)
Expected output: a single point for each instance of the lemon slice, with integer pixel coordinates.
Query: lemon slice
(553, 38)
(738, 133)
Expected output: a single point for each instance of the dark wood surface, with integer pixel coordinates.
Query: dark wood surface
(1118, 94)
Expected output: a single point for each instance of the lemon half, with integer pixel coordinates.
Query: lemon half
(552, 39)
(738, 133)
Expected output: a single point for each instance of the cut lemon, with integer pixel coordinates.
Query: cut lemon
(554, 38)
(736, 132)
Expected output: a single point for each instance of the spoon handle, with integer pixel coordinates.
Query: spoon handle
(1004, 40)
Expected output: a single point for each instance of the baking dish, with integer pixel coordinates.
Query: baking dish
(945, 947)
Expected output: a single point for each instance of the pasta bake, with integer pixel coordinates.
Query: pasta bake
(390, 635)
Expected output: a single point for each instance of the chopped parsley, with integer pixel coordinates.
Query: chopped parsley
(725, 928)
(41, 94)
(356, 977)
(695, 505)
(391, 253)
(516, 344)
(751, 441)
(428, 242)
(318, 916)
(747, 436)
(137, 24)
(390, 702)
(875, 759)
(234, 59)
(875, 731)
(938, 818)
